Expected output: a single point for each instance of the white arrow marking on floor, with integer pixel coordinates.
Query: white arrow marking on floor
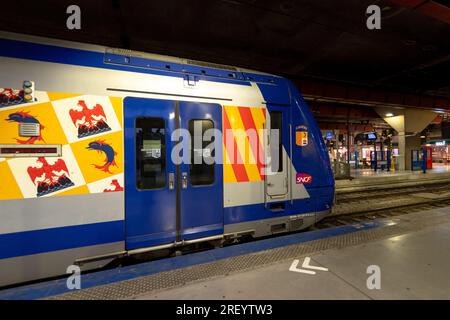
(305, 265)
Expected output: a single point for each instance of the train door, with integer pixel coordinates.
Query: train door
(167, 199)
(278, 165)
(202, 180)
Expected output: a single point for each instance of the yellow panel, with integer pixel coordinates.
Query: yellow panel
(75, 191)
(8, 187)
(51, 131)
(117, 104)
(90, 161)
(301, 138)
(259, 119)
(53, 96)
(243, 143)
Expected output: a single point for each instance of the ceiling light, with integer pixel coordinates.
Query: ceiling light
(389, 114)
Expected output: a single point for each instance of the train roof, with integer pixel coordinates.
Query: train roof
(149, 60)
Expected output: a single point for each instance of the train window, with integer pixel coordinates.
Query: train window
(202, 155)
(150, 153)
(276, 123)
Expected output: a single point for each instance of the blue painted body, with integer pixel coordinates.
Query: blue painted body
(312, 159)
(150, 214)
(202, 206)
(46, 240)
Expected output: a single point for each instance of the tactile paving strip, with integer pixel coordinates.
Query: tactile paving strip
(180, 277)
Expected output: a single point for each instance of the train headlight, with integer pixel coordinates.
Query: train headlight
(28, 91)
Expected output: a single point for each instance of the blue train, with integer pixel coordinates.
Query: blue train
(107, 152)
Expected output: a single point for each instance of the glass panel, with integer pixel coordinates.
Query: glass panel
(276, 123)
(202, 154)
(150, 153)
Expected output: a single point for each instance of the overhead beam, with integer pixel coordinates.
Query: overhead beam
(345, 94)
(427, 7)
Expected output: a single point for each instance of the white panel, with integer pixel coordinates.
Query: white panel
(54, 212)
(63, 108)
(109, 184)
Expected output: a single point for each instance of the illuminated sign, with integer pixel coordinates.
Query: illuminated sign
(39, 150)
(301, 137)
(304, 178)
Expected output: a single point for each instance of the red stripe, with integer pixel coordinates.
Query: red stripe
(257, 147)
(236, 163)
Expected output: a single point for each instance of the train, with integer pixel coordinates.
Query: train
(107, 152)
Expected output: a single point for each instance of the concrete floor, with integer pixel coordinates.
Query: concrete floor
(413, 265)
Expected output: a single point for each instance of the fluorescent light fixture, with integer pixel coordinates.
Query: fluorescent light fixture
(389, 114)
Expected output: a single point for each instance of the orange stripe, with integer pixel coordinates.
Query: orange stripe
(236, 161)
(241, 138)
(257, 148)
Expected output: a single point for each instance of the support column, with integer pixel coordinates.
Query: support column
(402, 151)
(408, 123)
(412, 142)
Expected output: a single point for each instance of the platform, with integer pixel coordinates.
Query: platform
(412, 252)
(361, 173)
(413, 256)
(367, 179)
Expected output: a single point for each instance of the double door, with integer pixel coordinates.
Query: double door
(174, 186)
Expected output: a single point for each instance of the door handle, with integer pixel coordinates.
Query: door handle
(184, 180)
(171, 181)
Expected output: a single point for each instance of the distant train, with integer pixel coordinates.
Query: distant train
(89, 138)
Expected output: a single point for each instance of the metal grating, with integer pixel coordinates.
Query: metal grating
(210, 65)
(29, 129)
(180, 277)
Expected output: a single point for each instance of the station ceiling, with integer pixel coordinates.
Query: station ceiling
(322, 40)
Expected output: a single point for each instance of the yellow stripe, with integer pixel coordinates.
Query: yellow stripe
(53, 96)
(243, 143)
(260, 120)
(228, 171)
(258, 117)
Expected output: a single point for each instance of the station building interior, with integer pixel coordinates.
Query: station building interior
(353, 132)
(358, 210)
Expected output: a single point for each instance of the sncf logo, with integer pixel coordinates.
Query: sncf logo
(303, 178)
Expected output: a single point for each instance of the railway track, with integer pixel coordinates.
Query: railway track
(393, 185)
(390, 205)
(370, 194)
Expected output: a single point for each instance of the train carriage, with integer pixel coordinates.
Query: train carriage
(89, 142)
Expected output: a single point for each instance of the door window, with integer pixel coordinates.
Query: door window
(150, 153)
(202, 155)
(276, 145)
